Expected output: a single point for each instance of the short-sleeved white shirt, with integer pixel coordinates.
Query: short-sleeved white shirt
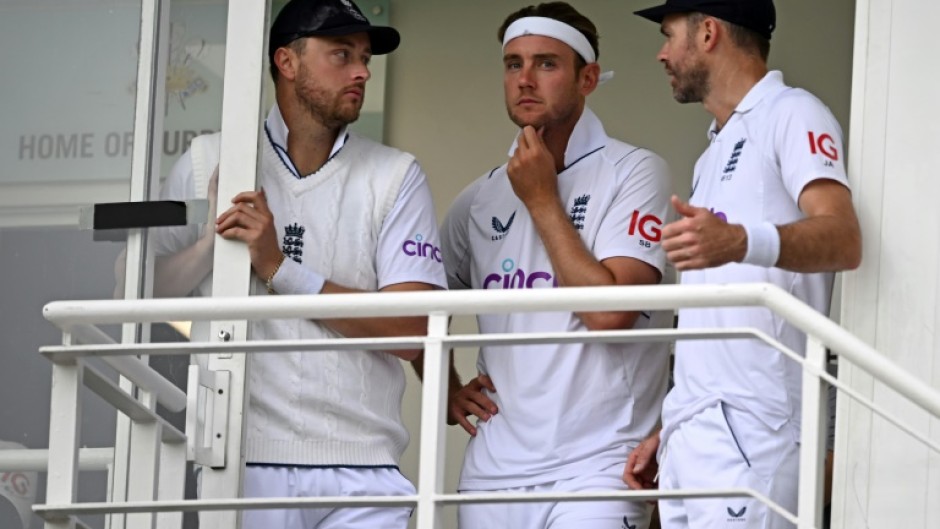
(778, 140)
(408, 248)
(573, 408)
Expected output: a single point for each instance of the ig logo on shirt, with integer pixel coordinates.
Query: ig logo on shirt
(648, 226)
(825, 145)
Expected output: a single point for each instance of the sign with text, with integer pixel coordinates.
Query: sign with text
(69, 95)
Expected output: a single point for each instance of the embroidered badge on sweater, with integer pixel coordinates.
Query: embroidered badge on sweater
(293, 246)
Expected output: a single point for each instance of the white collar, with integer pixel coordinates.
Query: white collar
(770, 84)
(277, 134)
(587, 137)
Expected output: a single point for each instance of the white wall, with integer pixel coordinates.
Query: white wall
(884, 478)
(444, 100)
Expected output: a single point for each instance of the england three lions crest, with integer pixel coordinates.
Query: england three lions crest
(293, 243)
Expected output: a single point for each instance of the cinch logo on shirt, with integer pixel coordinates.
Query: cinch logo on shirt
(825, 145)
(720, 214)
(648, 226)
(419, 248)
(518, 279)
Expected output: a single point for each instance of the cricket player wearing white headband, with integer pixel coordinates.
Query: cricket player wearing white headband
(572, 207)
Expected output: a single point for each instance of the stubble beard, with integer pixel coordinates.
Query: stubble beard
(692, 87)
(324, 107)
(548, 119)
(692, 84)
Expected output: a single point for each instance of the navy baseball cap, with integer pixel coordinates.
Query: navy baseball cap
(312, 18)
(759, 16)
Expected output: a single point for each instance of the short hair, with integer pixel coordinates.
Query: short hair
(562, 12)
(298, 45)
(742, 37)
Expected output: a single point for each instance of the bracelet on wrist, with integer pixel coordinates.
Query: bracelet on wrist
(273, 273)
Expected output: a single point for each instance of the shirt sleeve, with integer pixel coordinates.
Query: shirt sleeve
(455, 240)
(632, 226)
(179, 185)
(409, 245)
(808, 143)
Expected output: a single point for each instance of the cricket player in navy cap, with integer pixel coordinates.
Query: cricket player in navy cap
(335, 213)
(770, 203)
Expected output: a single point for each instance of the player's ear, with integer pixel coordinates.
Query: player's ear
(286, 60)
(588, 78)
(709, 31)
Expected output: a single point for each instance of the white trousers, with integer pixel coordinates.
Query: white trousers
(723, 447)
(561, 515)
(271, 481)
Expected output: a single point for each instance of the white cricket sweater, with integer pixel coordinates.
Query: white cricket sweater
(332, 408)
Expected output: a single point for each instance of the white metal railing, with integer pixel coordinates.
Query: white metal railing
(71, 363)
(37, 459)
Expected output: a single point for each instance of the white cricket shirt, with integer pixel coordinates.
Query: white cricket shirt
(778, 140)
(563, 409)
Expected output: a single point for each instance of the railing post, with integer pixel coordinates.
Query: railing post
(813, 436)
(171, 482)
(231, 269)
(433, 406)
(226, 479)
(149, 113)
(64, 426)
(142, 469)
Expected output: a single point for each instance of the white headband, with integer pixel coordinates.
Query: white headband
(549, 27)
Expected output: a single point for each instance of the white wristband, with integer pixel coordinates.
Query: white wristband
(294, 278)
(763, 244)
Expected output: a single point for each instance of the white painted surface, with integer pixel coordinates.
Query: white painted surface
(242, 92)
(883, 478)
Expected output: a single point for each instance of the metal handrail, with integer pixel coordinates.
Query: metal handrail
(67, 314)
(138, 372)
(37, 459)
(227, 504)
(78, 316)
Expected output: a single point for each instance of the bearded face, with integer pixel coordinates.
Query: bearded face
(333, 108)
(689, 78)
(683, 60)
